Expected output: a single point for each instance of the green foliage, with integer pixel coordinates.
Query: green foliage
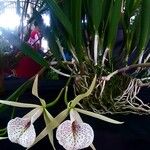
(51, 75)
(103, 18)
(87, 27)
(88, 30)
(99, 69)
(145, 26)
(114, 18)
(60, 14)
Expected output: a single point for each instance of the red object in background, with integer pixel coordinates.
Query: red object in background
(27, 67)
(35, 39)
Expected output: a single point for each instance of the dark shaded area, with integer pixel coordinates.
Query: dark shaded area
(132, 135)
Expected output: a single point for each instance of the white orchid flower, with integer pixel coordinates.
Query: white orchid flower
(74, 134)
(21, 130)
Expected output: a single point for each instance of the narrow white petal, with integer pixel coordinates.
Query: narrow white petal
(36, 115)
(98, 116)
(18, 104)
(35, 87)
(31, 113)
(74, 115)
(86, 94)
(35, 91)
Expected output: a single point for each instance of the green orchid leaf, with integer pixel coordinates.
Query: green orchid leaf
(145, 26)
(20, 90)
(18, 104)
(96, 12)
(77, 31)
(81, 96)
(2, 130)
(98, 116)
(60, 15)
(14, 96)
(113, 24)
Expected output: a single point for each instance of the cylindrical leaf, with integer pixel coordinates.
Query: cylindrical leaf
(113, 23)
(145, 25)
(96, 12)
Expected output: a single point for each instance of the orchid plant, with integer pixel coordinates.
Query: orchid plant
(107, 77)
(109, 38)
(71, 134)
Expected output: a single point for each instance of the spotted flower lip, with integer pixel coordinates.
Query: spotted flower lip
(74, 134)
(21, 131)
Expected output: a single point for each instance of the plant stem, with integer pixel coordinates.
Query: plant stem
(59, 72)
(65, 97)
(56, 100)
(96, 39)
(104, 56)
(59, 95)
(124, 69)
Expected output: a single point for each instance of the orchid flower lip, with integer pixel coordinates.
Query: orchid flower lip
(74, 134)
(21, 131)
